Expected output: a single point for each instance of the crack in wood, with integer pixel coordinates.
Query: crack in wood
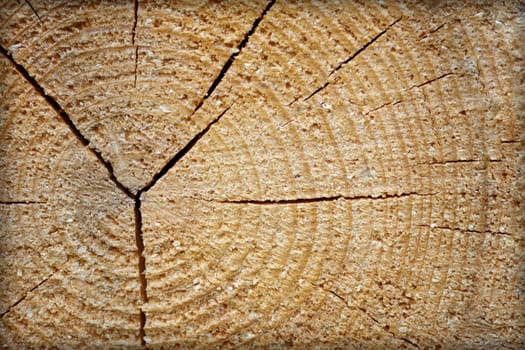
(465, 161)
(181, 153)
(454, 161)
(365, 312)
(26, 294)
(467, 230)
(141, 267)
(36, 13)
(22, 202)
(437, 28)
(133, 36)
(319, 89)
(139, 239)
(408, 89)
(138, 216)
(510, 141)
(383, 106)
(136, 66)
(233, 56)
(430, 81)
(425, 35)
(67, 120)
(135, 20)
(364, 47)
(348, 60)
(319, 199)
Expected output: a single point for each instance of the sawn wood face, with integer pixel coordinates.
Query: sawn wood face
(249, 174)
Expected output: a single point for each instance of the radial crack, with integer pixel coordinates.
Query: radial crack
(467, 230)
(22, 202)
(366, 313)
(319, 89)
(34, 11)
(349, 59)
(233, 56)
(139, 239)
(142, 267)
(136, 66)
(383, 106)
(66, 119)
(510, 141)
(133, 36)
(26, 295)
(135, 19)
(322, 199)
(364, 47)
(433, 31)
(454, 161)
(430, 81)
(181, 153)
(466, 161)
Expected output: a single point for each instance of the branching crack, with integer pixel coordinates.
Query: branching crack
(36, 13)
(138, 215)
(467, 230)
(26, 295)
(139, 239)
(66, 119)
(323, 199)
(233, 56)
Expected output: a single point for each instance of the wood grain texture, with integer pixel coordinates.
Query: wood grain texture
(282, 174)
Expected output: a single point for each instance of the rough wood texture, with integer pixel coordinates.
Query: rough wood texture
(286, 174)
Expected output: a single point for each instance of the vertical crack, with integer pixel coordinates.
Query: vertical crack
(135, 18)
(133, 36)
(67, 120)
(139, 239)
(136, 65)
(142, 266)
(233, 56)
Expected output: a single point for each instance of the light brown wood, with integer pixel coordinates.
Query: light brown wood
(290, 174)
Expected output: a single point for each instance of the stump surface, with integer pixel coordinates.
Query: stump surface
(245, 174)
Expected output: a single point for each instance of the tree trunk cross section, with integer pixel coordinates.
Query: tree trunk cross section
(262, 174)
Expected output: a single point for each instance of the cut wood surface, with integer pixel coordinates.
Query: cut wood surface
(251, 174)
